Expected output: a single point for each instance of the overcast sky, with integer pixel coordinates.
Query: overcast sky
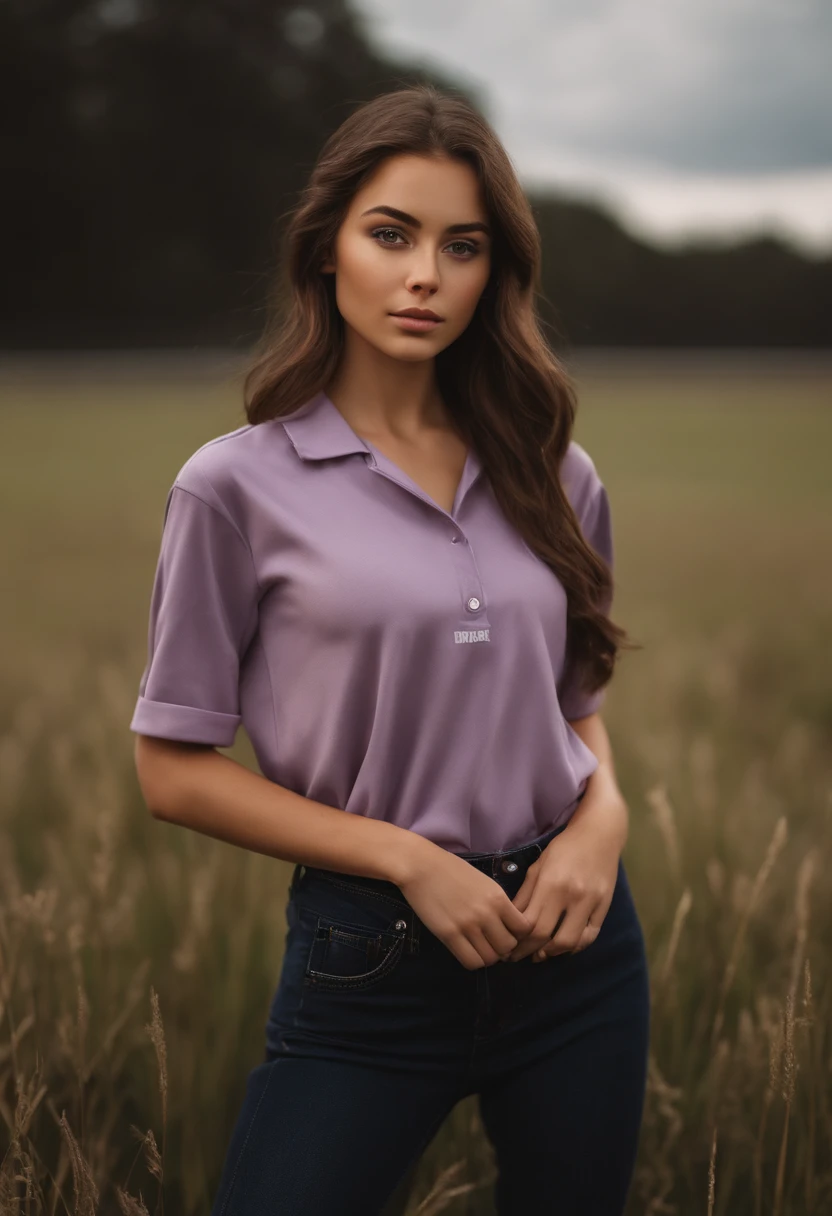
(686, 116)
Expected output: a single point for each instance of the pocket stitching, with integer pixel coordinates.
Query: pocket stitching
(324, 979)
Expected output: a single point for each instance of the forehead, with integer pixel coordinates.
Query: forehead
(424, 186)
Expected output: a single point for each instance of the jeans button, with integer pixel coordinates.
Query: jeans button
(509, 866)
(401, 924)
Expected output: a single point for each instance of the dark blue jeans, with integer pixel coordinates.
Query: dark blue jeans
(376, 1031)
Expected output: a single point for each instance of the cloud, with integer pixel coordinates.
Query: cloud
(711, 85)
(725, 101)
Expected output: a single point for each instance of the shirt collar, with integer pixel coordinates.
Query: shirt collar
(319, 430)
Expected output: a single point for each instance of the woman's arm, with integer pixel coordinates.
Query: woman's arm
(567, 892)
(602, 806)
(195, 786)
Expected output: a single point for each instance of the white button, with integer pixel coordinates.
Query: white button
(454, 540)
(473, 603)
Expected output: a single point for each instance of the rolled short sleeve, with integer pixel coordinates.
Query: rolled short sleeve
(596, 525)
(203, 615)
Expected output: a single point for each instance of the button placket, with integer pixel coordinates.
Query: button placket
(472, 622)
(469, 580)
(467, 572)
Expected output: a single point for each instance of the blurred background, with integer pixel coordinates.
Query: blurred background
(679, 162)
(679, 157)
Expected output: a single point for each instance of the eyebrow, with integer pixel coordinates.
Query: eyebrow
(404, 218)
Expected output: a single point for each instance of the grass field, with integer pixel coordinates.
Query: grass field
(718, 473)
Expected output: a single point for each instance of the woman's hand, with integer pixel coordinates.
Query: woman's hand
(567, 892)
(466, 909)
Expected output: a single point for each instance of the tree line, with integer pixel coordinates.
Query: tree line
(153, 144)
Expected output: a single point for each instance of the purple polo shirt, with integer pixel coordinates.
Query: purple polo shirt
(384, 656)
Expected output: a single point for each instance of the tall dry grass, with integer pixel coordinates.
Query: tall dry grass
(137, 962)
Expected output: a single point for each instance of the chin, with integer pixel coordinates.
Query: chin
(410, 352)
(414, 356)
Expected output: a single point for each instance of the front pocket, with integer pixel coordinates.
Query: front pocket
(344, 955)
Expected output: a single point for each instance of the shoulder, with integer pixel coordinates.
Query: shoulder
(223, 471)
(580, 479)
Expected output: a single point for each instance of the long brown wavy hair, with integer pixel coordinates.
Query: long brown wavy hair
(505, 391)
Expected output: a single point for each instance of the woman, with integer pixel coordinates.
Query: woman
(378, 575)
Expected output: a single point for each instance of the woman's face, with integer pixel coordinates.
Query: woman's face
(384, 263)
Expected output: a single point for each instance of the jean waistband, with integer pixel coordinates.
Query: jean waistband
(509, 860)
(506, 862)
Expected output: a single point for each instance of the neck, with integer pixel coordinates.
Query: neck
(382, 396)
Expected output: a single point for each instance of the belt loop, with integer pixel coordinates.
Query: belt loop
(296, 875)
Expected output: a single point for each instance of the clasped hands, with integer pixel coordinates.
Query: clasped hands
(567, 892)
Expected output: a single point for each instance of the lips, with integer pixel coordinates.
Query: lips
(420, 314)
(415, 325)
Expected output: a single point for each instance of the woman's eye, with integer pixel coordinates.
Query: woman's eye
(467, 246)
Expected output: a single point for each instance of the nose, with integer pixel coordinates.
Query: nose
(423, 272)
